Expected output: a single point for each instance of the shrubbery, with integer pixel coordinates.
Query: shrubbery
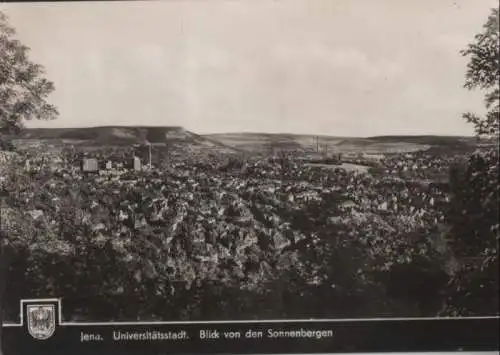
(179, 245)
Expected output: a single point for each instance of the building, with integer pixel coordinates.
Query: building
(90, 164)
(137, 164)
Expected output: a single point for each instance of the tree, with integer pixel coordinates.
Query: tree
(23, 93)
(483, 72)
(473, 215)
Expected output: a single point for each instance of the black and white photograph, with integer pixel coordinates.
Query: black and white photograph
(198, 161)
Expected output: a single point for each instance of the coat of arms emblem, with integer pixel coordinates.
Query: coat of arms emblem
(41, 321)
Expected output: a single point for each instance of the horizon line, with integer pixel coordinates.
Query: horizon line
(254, 132)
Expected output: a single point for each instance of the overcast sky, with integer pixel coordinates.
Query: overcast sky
(338, 67)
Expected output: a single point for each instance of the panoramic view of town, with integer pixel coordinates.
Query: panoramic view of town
(195, 174)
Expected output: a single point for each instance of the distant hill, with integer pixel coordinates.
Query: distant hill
(428, 140)
(374, 145)
(122, 136)
(265, 141)
(243, 142)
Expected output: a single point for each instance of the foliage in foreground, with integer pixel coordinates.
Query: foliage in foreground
(193, 242)
(474, 220)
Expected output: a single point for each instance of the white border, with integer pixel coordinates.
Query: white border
(61, 323)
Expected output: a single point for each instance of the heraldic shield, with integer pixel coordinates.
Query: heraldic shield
(41, 320)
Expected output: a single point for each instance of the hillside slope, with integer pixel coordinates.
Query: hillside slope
(265, 141)
(374, 145)
(122, 136)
